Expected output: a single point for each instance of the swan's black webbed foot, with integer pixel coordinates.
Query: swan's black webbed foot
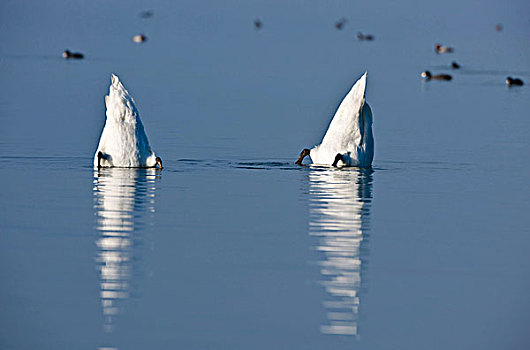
(305, 152)
(337, 158)
(158, 163)
(101, 156)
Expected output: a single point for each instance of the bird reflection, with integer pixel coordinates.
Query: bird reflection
(124, 199)
(340, 202)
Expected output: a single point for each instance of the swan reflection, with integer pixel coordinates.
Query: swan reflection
(340, 203)
(124, 200)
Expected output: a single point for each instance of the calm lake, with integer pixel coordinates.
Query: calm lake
(232, 246)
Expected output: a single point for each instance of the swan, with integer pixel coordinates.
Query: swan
(123, 142)
(349, 140)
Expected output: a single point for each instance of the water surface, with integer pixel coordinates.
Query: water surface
(232, 246)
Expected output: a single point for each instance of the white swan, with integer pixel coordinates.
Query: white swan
(349, 140)
(123, 142)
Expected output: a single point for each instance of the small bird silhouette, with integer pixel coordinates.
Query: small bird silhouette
(428, 76)
(140, 38)
(340, 23)
(442, 49)
(75, 55)
(146, 14)
(514, 81)
(367, 37)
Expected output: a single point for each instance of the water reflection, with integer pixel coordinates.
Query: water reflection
(124, 202)
(340, 202)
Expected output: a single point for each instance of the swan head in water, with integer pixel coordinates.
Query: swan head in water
(305, 152)
(158, 163)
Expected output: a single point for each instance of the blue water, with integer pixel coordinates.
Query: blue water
(232, 246)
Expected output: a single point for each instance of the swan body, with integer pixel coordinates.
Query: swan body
(349, 139)
(123, 142)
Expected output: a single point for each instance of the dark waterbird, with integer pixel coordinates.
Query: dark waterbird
(455, 65)
(362, 37)
(340, 23)
(75, 55)
(428, 76)
(146, 14)
(514, 81)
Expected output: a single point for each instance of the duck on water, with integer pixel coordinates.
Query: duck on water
(439, 48)
(428, 76)
(75, 55)
(514, 81)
